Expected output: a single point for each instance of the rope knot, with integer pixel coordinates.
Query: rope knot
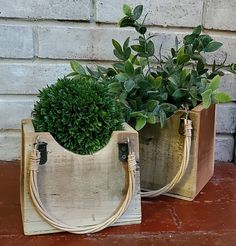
(34, 160)
(188, 128)
(131, 162)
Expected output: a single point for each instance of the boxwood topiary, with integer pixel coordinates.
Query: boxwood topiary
(79, 113)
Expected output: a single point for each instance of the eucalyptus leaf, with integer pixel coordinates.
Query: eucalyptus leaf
(76, 67)
(206, 98)
(150, 48)
(140, 123)
(117, 46)
(127, 10)
(214, 83)
(152, 119)
(129, 68)
(168, 107)
(212, 46)
(138, 12)
(222, 97)
(197, 30)
(129, 85)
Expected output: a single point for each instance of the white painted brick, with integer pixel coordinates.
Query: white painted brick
(184, 13)
(27, 78)
(46, 9)
(228, 84)
(224, 149)
(226, 118)
(16, 41)
(95, 43)
(9, 145)
(220, 14)
(12, 111)
(79, 42)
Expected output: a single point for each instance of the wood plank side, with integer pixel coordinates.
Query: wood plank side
(161, 152)
(206, 154)
(80, 189)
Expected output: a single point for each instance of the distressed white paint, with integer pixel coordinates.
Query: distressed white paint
(46, 9)
(220, 14)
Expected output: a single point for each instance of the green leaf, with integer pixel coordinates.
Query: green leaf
(206, 98)
(151, 105)
(221, 97)
(168, 107)
(200, 66)
(140, 123)
(115, 87)
(198, 57)
(127, 53)
(137, 48)
(117, 46)
(206, 39)
(179, 93)
(213, 46)
(157, 82)
(76, 67)
(195, 95)
(127, 10)
(111, 72)
(126, 21)
(197, 30)
(118, 55)
(72, 74)
(138, 11)
(126, 44)
(129, 85)
(152, 119)
(189, 39)
(129, 68)
(182, 57)
(138, 113)
(140, 28)
(150, 48)
(176, 43)
(214, 83)
(122, 77)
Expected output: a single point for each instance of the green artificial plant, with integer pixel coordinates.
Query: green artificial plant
(79, 113)
(150, 86)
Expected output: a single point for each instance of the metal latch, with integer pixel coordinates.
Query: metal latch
(123, 151)
(42, 148)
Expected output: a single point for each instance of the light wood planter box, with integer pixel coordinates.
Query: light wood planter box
(78, 189)
(161, 152)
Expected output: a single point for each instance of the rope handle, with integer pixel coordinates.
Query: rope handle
(184, 163)
(41, 209)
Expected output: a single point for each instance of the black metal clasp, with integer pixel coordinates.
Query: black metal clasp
(123, 151)
(42, 148)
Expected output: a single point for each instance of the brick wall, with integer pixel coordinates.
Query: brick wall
(39, 37)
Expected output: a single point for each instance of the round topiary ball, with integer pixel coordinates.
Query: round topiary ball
(80, 114)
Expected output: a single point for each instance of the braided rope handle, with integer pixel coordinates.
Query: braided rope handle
(184, 164)
(42, 210)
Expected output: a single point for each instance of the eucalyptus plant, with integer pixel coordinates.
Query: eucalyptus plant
(151, 86)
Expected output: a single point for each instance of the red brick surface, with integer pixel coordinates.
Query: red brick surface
(209, 220)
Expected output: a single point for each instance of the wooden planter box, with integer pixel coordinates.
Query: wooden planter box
(78, 189)
(161, 152)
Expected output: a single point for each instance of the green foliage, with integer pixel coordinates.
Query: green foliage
(79, 113)
(151, 87)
